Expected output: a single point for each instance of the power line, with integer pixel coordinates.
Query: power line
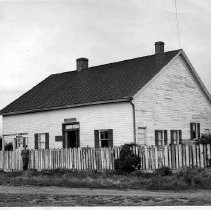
(178, 32)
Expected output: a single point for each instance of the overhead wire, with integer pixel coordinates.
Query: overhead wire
(178, 31)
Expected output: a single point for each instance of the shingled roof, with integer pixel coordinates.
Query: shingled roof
(113, 81)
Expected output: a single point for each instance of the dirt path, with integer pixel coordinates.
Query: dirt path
(58, 196)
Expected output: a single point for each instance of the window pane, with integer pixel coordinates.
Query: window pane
(68, 126)
(75, 126)
(104, 143)
(106, 135)
(102, 135)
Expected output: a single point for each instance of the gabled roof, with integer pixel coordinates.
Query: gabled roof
(111, 82)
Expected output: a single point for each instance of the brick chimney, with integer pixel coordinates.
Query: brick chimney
(159, 47)
(82, 64)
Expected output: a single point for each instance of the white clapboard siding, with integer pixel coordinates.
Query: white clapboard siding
(170, 101)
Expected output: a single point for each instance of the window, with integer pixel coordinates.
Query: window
(42, 141)
(142, 135)
(103, 138)
(176, 136)
(20, 142)
(194, 130)
(161, 137)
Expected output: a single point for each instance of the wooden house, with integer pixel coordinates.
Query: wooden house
(153, 100)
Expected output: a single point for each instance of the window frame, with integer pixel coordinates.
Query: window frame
(45, 143)
(161, 138)
(175, 137)
(105, 139)
(144, 140)
(195, 130)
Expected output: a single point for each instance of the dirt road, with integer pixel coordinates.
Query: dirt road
(58, 196)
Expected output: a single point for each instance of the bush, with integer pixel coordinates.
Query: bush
(128, 161)
(164, 171)
(205, 139)
(8, 147)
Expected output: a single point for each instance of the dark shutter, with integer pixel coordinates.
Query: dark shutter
(96, 133)
(16, 143)
(78, 138)
(35, 141)
(172, 136)
(0, 144)
(198, 130)
(24, 142)
(180, 137)
(191, 130)
(156, 137)
(110, 137)
(165, 137)
(46, 140)
(63, 141)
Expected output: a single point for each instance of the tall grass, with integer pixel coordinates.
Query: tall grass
(158, 180)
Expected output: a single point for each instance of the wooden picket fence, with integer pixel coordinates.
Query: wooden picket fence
(174, 157)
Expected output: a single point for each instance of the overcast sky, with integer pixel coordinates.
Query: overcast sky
(39, 38)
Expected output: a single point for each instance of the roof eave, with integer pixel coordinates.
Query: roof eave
(125, 99)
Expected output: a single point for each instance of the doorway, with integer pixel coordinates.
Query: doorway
(72, 138)
(71, 135)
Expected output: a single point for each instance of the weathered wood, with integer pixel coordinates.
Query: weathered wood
(201, 156)
(174, 156)
(187, 155)
(179, 156)
(194, 155)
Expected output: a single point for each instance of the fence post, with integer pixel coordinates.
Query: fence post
(194, 155)
(208, 155)
(179, 156)
(187, 155)
(201, 155)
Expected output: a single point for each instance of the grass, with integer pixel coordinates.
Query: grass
(182, 180)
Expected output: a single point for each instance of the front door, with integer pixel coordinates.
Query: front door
(71, 135)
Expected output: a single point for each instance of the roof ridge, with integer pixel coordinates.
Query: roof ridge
(131, 59)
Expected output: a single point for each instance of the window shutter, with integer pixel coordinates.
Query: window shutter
(16, 143)
(36, 141)
(110, 137)
(172, 136)
(24, 142)
(46, 140)
(165, 137)
(96, 133)
(156, 137)
(180, 137)
(0, 144)
(64, 139)
(191, 130)
(198, 130)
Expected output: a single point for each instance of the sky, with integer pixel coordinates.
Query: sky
(39, 38)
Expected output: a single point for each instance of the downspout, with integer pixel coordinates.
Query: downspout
(134, 119)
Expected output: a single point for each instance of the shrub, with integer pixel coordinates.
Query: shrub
(128, 161)
(164, 171)
(205, 139)
(8, 147)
